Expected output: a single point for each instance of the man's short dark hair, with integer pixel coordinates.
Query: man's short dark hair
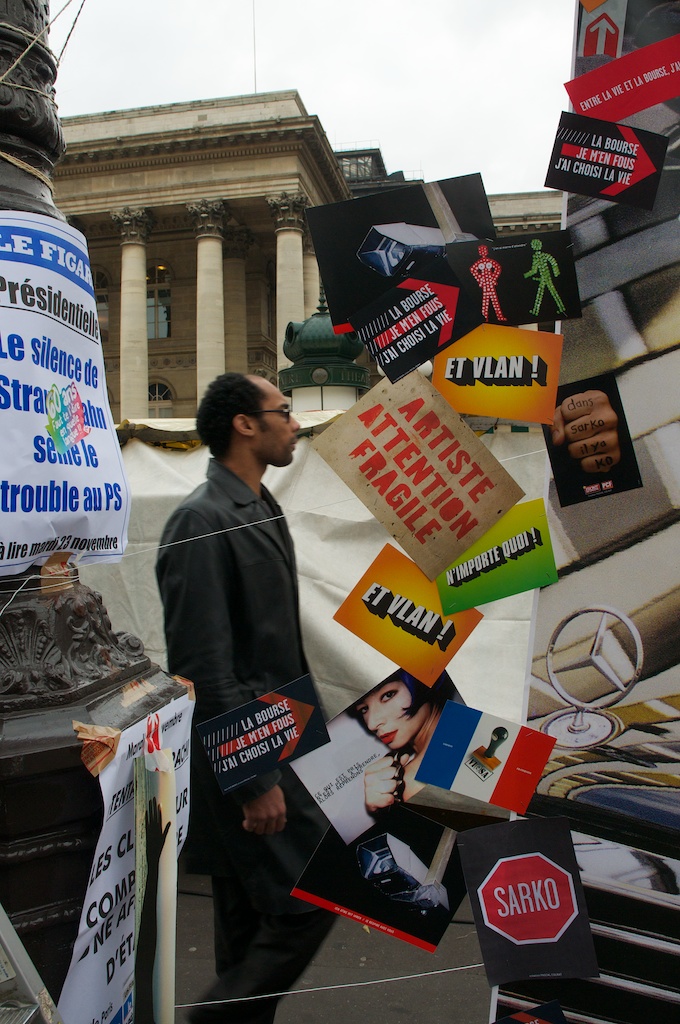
(226, 397)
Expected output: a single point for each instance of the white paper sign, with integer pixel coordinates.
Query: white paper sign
(62, 483)
(99, 984)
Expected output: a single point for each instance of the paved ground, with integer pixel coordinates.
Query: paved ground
(350, 957)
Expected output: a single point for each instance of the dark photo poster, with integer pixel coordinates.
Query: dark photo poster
(589, 443)
(402, 877)
(519, 281)
(365, 246)
(264, 733)
(527, 900)
(606, 160)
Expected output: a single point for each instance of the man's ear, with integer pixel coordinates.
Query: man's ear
(243, 425)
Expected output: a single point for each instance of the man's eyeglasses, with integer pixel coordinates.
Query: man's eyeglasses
(280, 412)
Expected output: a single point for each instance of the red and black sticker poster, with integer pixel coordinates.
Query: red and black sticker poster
(546, 1013)
(365, 246)
(402, 877)
(414, 321)
(527, 900)
(612, 161)
(264, 733)
(519, 281)
(589, 443)
(636, 81)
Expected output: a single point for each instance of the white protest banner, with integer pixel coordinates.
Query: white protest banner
(99, 986)
(63, 485)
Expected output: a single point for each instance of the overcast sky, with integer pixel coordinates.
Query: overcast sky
(445, 87)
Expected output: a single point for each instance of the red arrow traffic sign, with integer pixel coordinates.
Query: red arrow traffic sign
(528, 899)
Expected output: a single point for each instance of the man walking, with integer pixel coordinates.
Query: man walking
(226, 573)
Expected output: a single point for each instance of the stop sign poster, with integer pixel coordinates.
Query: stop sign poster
(527, 901)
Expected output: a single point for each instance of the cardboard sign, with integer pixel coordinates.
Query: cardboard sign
(415, 320)
(589, 444)
(527, 901)
(610, 161)
(395, 608)
(376, 746)
(365, 246)
(513, 556)
(420, 470)
(264, 733)
(635, 81)
(485, 757)
(402, 877)
(501, 371)
(519, 281)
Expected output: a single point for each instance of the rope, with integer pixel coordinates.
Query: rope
(330, 988)
(70, 32)
(34, 40)
(23, 166)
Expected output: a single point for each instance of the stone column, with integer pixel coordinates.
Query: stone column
(310, 276)
(237, 241)
(209, 216)
(134, 227)
(288, 212)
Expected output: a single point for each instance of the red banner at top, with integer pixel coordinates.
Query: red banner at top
(632, 83)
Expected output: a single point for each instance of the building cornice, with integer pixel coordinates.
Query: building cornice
(197, 145)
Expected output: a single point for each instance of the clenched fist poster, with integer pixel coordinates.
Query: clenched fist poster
(589, 444)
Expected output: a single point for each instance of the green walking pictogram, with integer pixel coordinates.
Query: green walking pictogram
(544, 268)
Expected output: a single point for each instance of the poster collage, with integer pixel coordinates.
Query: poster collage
(572, 330)
(419, 274)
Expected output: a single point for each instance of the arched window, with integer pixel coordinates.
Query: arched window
(101, 295)
(158, 301)
(160, 400)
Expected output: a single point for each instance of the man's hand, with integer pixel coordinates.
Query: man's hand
(266, 814)
(588, 424)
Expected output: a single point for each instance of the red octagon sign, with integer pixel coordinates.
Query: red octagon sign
(528, 898)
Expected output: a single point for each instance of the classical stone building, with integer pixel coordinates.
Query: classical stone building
(194, 216)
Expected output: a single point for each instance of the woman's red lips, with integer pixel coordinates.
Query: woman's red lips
(387, 737)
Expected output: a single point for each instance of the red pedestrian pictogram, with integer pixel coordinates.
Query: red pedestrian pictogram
(528, 899)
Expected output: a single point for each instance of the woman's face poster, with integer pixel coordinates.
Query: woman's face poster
(376, 748)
